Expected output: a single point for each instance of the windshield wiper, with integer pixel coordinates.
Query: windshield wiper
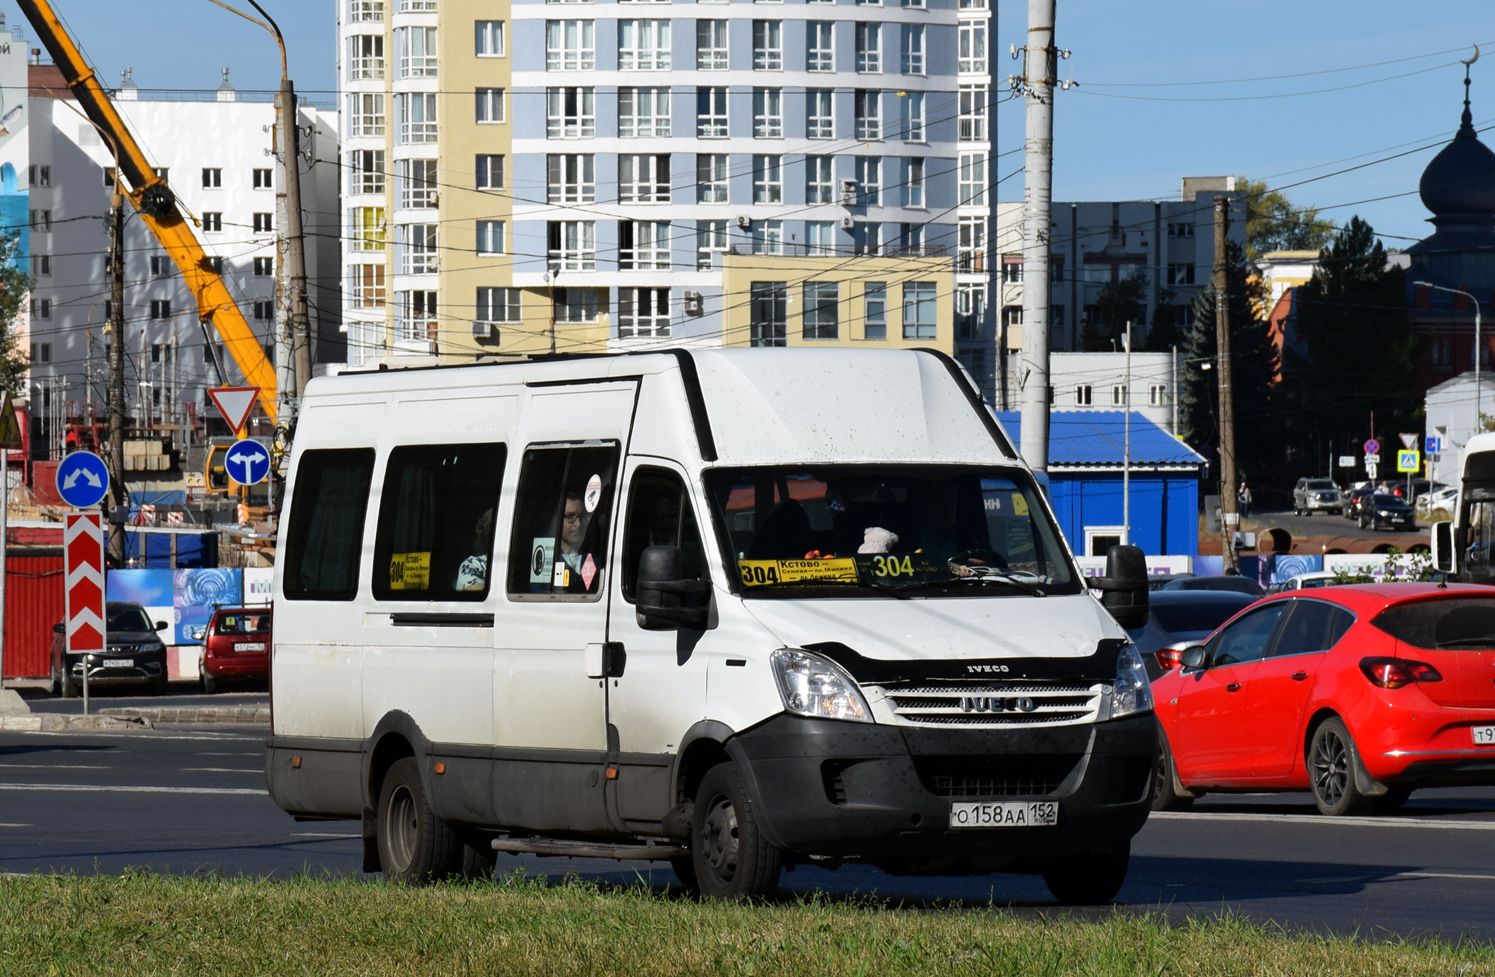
(988, 575)
(896, 592)
(1487, 642)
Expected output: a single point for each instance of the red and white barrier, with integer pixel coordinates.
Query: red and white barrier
(83, 557)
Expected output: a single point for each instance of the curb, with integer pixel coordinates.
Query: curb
(257, 715)
(46, 722)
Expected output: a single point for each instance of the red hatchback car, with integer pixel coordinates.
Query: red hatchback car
(236, 645)
(1360, 694)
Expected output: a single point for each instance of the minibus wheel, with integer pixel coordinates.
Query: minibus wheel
(732, 860)
(1089, 878)
(415, 846)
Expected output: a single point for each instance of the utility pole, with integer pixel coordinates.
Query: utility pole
(295, 250)
(1229, 517)
(1040, 65)
(116, 372)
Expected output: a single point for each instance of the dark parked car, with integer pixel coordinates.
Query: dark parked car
(1387, 512)
(1241, 585)
(133, 653)
(1180, 618)
(235, 646)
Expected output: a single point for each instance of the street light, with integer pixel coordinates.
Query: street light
(1478, 417)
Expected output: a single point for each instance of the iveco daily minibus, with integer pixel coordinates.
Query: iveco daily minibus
(735, 610)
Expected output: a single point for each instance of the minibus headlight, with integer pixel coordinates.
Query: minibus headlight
(1132, 692)
(813, 686)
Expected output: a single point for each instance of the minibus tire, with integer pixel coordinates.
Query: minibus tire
(732, 859)
(1090, 878)
(415, 846)
(477, 859)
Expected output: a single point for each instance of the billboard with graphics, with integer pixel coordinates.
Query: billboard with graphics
(15, 155)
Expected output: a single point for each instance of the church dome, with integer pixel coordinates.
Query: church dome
(1461, 178)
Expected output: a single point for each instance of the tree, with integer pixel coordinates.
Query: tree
(14, 286)
(1253, 359)
(1117, 304)
(1163, 333)
(1358, 349)
(1273, 223)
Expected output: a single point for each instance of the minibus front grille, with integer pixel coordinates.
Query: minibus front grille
(996, 704)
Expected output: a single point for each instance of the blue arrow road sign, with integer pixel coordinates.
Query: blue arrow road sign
(247, 462)
(82, 479)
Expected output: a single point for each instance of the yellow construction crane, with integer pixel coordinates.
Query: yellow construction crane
(157, 205)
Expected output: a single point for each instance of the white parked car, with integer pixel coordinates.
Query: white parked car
(1438, 500)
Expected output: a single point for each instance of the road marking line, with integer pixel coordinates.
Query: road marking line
(323, 834)
(4, 825)
(100, 788)
(53, 766)
(1331, 880)
(1328, 820)
(231, 754)
(219, 770)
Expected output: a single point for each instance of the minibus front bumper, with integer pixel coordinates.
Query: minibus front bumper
(884, 793)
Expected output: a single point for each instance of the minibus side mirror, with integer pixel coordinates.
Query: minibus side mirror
(661, 585)
(1442, 547)
(1192, 657)
(1124, 587)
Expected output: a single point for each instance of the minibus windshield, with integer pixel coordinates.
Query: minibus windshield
(924, 531)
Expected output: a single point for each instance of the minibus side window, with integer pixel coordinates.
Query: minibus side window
(660, 514)
(435, 535)
(561, 520)
(325, 534)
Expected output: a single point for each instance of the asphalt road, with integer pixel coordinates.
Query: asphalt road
(1318, 524)
(178, 693)
(193, 800)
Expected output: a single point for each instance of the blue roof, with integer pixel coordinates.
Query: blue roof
(1097, 439)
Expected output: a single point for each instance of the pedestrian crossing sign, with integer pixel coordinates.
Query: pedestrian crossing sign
(10, 426)
(1408, 460)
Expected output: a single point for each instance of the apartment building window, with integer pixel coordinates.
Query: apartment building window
(366, 171)
(418, 317)
(643, 45)
(264, 310)
(41, 352)
(819, 184)
(570, 45)
(1119, 396)
(913, 181)
(918, 310)
(262, 179)
(869, 47)
(416, 180)
(1181, 230)
(711, 239)
(417, 6)
(1157, 394)
(216, 263)
(911, 238)
(866, 237)
(867, 112)
(911, 49)
(643, 245)
(820, 237)
(41, 265)
(1012, 317)
(42, 309)
(768, 314)
(820, 45)
(711, 178)
(767, 237)
(1056, 269)
(644, 113)
(569, 1)
(970, 244)
(971, 57)
(868, 171)
(711, 112)
(711, 45)
(1012, 269)
(365, 57)
(875, 310)
(644, 179)
(417, 113)
(571, 178)
(417, 46)
(488, 38)
(490, 172)
(579, 304)
(416, 244)
(768, 179)
(160, 308)
(490, 237)
(263, 223)
(263, 267)
(498, 305)
(973, 99)
(970, 312)
(212, 220)
(108, 178)
(572, 245)
(822, 314)
(1084, 395)
(768, 113)
(972, 4)
(366, 286)
(643, 313)
(768, 45)
(212, 178)
(911, 108)
(570, 113)
(1181, 274)
(972, 178)
(490, 105)
(365, 11)
(820, 120)
(365, 116)
(40, 175)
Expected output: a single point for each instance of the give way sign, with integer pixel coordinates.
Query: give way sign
(83, 556)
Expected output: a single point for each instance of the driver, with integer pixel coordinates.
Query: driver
(937, 506)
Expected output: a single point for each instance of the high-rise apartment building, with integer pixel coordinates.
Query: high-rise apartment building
(595, 176)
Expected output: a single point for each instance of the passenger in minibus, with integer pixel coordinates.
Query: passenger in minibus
(473, 573)
(584, 566)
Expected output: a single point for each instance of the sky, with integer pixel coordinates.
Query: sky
(1144, 115)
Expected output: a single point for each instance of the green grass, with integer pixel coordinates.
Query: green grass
(146, 924)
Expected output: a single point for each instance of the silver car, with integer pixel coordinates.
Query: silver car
(1312, 495)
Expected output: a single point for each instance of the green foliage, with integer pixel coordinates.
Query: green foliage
(14, 286)
(1117, 304)
(1273, 223)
